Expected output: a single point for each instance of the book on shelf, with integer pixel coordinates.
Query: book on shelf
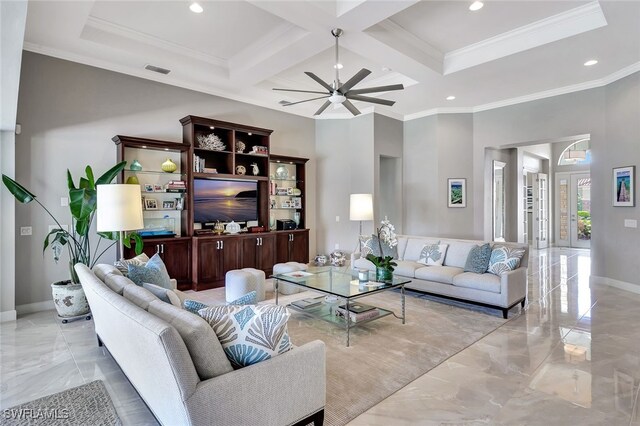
(357, 317)
(198, 164)
(308, 303)
(357, 308)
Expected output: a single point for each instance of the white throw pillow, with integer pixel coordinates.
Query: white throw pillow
(123, 264)
(433, 254)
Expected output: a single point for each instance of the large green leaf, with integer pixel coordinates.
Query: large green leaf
(20, 192)
(82, 203)
(70, 183)
(110, 174)
(82, 226)
(89, 172)
(111, 235)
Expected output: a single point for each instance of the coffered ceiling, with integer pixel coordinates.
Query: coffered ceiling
(506, 52)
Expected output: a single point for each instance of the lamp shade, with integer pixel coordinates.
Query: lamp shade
(361, 207)
(119, 208)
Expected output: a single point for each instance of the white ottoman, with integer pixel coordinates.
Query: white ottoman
(239, 282)
(283, 268)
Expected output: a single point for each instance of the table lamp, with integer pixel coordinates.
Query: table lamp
(360, 209)
(119, 209)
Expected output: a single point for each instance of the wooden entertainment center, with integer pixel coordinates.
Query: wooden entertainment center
(226, 152)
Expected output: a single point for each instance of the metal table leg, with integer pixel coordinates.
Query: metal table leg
(348, 320)
(275, 286)
(404, 316)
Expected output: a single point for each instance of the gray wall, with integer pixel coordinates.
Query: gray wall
(437, 148)
(615, 248)
(388, 141)
(69, 112)
(7, 229)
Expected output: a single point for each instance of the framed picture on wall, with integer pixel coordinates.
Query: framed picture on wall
(457, 192)
(624, 186)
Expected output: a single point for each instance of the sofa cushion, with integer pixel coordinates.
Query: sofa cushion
(406, 268)
(362, 263)
(138, 295)
(441, 274)
(401, 247)
(194, 306)
(505, 259)
(123, 264)
(202, 343)
(249, 334)
(117, 283)
(414, 247)
(164, 294)
(433, 254)
(102, 271)
(457, 253)
(153, 272)
(485, 282)
(478, 259)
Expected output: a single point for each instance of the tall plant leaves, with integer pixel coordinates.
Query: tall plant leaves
(110, 174)
(82, 203)
(89, 172)
(70, 183)
(20, 192)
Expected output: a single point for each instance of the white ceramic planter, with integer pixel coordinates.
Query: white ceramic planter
(69, 299)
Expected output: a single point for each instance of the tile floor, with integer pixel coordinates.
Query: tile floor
(571, 357)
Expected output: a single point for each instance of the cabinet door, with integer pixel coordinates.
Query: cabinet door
(209, 261)
(267, 253)
(250, 250)
(300, 247)
(282, 247)
(176, 255)
(230, 255)
(150, 247)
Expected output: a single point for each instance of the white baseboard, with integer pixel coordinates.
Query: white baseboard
(30, 308)
(633, 288)
(7, 316)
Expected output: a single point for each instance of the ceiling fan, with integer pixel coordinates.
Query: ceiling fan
(342, 93)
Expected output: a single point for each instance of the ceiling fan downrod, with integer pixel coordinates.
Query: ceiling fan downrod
(337, 32)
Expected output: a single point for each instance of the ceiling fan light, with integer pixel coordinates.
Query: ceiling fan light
(338, 66)
(450, 98)
(337, 98)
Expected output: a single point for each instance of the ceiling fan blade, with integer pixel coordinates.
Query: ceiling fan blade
(360, 75)
(322, 108)
(376, 89)
(299, 91)
(306, 100)
(352, 109)
(319, 81)
(370, 99)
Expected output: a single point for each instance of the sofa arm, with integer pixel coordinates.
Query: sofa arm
(355, 256)
(513, 286)
(278, 391)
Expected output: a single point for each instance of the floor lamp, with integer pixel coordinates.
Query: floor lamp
(361, 209)
(119, 209)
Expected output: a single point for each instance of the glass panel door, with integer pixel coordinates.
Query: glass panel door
(581, 210)
(541, 210)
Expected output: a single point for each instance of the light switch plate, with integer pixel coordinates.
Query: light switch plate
(337, 218)
(337, 246)
(26, 230)
(630, 223)
(64, 201)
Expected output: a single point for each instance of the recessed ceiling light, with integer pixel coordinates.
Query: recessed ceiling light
(476, 5)
(338, 66)
(386, 69)
(450, 98)
(196, 8)
(590, 62)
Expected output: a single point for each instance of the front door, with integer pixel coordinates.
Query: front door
(541, 210)
(580, 210)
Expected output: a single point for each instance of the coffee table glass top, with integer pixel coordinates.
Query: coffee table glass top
(338, 283)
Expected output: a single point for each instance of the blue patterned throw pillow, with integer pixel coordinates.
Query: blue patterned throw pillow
(250, 333)
(478, 259)
(248, 299)
(433, 254)
(153, 272)
(370, 245)
(504, 259)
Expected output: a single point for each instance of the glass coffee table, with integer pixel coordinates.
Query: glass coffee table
(344, 288)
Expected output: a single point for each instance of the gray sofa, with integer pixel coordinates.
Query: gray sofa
(176, 363)
(500, 292)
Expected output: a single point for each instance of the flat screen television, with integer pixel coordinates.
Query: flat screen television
(224, 200)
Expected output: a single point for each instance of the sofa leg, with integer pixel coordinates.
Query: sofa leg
(100, 344)
(523, 302)
(318, 418)
(505, 313)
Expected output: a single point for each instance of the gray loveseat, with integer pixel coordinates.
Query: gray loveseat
(176, 363)
(449, 280)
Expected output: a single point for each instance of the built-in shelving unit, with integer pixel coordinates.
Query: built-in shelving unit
(287, 190)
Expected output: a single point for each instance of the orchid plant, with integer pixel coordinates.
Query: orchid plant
(386, 233)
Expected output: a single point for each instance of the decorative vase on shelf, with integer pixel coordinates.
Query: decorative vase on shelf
(241, 170)
(232, 228)
(296, 192)
(254, 169)
(169, 166)
(296, 219)
(135, 166)
(282, 172)
(272, 222)
(133, 180)
(383, 274)
(218, 228)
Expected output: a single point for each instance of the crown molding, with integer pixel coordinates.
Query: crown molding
(145, 39)
(436, 111)
(557, 27)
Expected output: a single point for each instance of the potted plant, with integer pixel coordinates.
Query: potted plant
(384, 264)
(68, 296)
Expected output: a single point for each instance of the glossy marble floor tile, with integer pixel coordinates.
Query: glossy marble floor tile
(571, 356)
